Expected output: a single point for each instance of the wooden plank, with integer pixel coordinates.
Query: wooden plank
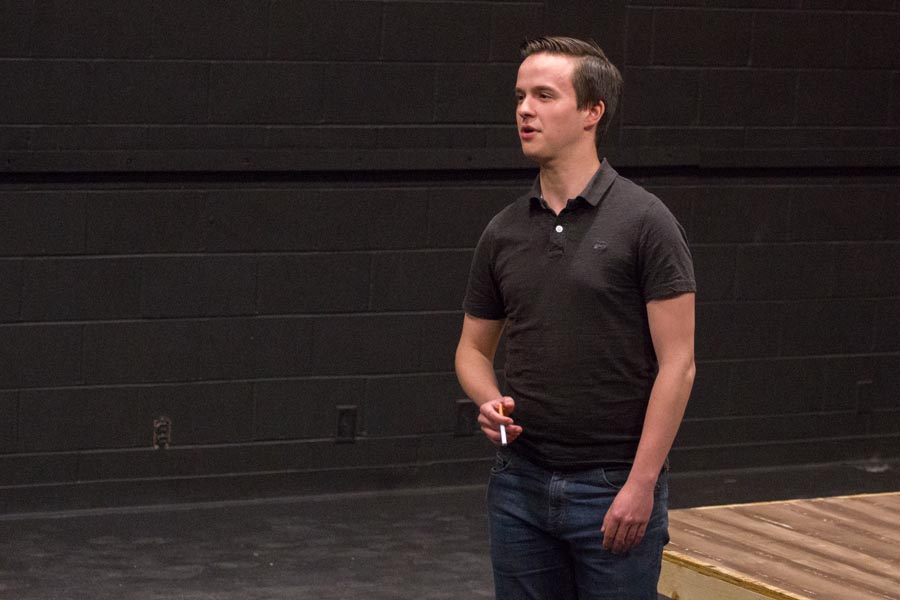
(890, 502)
(856, 563)
(752, 559)
(856, 520)
(680, 579)
(841, 532)
(846, 570)
(819, 549)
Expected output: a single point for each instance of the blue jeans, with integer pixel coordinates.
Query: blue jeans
(545, 535)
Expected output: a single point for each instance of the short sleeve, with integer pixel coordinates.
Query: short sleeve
(483, 299)
(666, 267)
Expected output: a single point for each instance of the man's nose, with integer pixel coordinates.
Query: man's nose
(524, 108)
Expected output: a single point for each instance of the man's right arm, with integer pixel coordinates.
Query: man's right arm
(475, 370)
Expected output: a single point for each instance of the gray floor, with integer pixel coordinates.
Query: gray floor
(413, 544)
(419, 544)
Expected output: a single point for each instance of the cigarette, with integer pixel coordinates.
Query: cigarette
(502, 427)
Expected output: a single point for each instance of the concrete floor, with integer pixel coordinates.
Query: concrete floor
(414, 544)
(417, 544)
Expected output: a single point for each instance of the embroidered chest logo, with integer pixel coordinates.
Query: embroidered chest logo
(599, 246)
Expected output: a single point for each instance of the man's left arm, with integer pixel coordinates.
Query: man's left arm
(672, 330)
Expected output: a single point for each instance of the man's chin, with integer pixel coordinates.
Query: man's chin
(531, 153)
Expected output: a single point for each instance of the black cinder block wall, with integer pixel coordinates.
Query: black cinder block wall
(240, 232)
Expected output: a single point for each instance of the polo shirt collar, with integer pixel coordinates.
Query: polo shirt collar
(592, 193)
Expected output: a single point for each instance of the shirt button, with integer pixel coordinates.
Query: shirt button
(559, 229)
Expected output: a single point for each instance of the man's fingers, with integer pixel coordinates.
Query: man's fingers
(639, 535)
(486, 419)
(619, 540)
(489, 415)
(490, 429)
(490, 420)
(629, 540)
(610, 530)
(492, 436)
(624, 537)
(619, 535)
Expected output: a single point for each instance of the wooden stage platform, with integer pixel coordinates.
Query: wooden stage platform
(840, 548)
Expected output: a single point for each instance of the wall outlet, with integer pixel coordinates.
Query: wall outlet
(162, 432)
(346, 423)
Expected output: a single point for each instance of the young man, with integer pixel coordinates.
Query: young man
(591, 277)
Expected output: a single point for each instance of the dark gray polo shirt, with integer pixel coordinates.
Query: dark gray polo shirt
(573, 289)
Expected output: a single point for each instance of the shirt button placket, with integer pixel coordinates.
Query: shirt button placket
(557, 241)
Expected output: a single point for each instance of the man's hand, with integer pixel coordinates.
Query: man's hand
(490, 420)
(626, 520)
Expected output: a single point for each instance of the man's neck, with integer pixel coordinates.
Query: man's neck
(564, 180)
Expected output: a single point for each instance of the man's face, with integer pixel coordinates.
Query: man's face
(550, 123)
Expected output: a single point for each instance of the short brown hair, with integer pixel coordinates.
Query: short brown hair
(595, 78)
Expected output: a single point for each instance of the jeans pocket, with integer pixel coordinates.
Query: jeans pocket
(501, 463)
(615, 478)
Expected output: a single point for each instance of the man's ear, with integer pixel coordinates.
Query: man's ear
(594, 114)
